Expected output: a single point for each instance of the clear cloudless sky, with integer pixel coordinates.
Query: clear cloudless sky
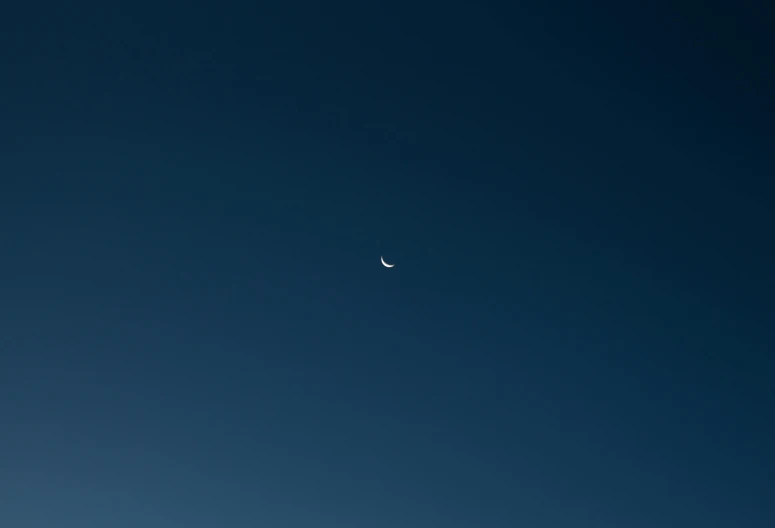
(195, 327)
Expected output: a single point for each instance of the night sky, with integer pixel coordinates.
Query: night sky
(196, 329)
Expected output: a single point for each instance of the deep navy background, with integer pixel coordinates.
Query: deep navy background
(195, 328)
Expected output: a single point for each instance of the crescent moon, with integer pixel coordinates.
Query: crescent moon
(385, 263)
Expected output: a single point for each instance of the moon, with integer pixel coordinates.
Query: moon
(385, 263)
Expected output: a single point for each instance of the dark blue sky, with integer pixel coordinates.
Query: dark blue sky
(195, 328)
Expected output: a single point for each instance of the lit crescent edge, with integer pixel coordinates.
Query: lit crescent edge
(385, 263)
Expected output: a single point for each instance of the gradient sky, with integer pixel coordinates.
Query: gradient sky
(195, 328)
